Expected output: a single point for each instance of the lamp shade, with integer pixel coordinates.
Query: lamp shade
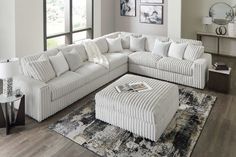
(9, 68)
(207, 20)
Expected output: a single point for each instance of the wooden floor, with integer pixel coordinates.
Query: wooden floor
(218, 138)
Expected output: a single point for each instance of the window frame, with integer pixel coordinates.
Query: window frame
(68, 35)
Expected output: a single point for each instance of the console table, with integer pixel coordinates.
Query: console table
(201, 34)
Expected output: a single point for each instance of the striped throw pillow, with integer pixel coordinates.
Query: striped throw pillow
(41, 69)
(193, 52)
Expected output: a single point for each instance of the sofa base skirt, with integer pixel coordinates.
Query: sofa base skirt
(144, 129)
(63, 102)
(167, 76)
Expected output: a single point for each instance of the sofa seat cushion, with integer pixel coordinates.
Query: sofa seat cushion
(146, 59)
(91, 71)
(65, 84)
(169, 64)
(116, 60)
(126, 52)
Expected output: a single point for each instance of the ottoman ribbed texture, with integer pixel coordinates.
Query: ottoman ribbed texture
(146, 113)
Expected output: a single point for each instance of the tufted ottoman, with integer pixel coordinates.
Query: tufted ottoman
(146, 114)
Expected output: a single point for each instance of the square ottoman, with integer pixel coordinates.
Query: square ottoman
(146, 114)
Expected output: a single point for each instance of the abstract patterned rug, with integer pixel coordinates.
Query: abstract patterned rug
(103, 139)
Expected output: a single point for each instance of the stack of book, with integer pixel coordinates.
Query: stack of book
(220, 66)
(134, 87)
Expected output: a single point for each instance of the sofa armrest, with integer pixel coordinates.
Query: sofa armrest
(206, 60)
(37, 96)
(200, 70)
(207, 57)
(30, 82)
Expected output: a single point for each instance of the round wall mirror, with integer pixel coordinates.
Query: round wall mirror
(221, 13)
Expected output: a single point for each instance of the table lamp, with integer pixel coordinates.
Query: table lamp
(206, 20)
(8, 69)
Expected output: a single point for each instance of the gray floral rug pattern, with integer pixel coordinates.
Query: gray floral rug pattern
(103, 139)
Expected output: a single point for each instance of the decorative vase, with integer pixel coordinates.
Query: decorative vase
(232, 29)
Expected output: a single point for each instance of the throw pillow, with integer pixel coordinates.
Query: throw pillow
(59, 64)
(114, 45)
(161, 48)
(177, 50)
(41, 69)
(73, 59)
(137, 44)
(193, 52)
(125, 41)
(101, 42)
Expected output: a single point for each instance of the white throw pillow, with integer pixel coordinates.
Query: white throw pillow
(102, 44)
(41, 69)
(125, 41)
(137, 44)
(114, 44)
(193, 52)
(59, 64)
(73, 59)
(161, 48)
(177, 50)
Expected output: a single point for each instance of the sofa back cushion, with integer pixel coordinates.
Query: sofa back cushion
(193, 52)
(41, 69)
(137, 44)
(188, 41)
(52, 52)
(101, 42)
(112, 35)
(59, 64)
(177, 50)
(78, 47)
(151, 39)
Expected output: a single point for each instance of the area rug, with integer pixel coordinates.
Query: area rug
(178, 140)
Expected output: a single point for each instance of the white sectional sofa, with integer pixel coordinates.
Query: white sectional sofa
(44, 99)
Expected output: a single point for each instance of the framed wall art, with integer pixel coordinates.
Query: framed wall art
(152, 1)
(128, 8)
(151, 14)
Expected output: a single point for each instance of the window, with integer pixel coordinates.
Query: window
(67, 22)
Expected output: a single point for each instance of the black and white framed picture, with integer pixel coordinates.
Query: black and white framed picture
(151, 14)
(128, 7)
(152, 1)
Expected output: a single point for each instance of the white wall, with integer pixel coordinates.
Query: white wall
(174, 18)
(7, 28)
(21, 28)
(97, 18)
(29, 27)
(132, 24)
(104, 17)
(108, 16)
